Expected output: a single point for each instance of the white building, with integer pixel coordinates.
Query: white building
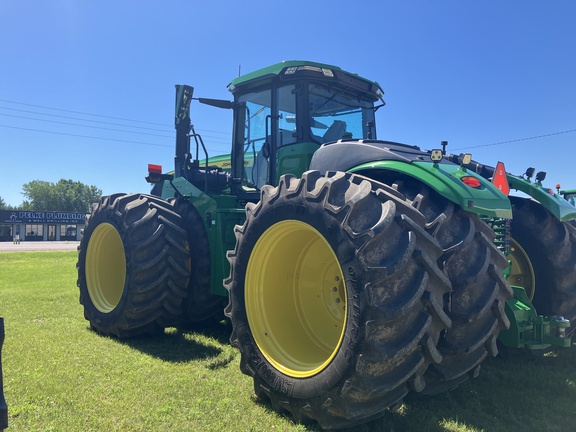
(40, 225)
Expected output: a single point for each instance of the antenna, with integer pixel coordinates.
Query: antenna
(239, 69)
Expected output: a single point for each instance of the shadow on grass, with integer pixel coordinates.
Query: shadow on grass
(217, 329)
(532, 394)
(172, 347)
(182, 345)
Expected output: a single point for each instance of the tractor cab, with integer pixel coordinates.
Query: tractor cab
(282, 115)
(286, 111)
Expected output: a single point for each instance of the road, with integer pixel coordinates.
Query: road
(29, 246)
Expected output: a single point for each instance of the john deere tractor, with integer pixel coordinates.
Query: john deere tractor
(355, 270)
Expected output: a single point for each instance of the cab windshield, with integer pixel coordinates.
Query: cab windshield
(337, 114)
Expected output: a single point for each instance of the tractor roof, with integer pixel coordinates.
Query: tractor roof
(268, 74)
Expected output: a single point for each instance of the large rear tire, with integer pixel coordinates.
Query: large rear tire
(335, 298)
(133, 265)
(475, 267)
(549, 247)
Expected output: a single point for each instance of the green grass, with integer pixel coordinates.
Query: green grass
(61, 376)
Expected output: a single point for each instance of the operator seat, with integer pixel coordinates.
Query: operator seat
(335, 132)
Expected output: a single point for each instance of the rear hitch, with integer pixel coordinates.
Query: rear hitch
(530, 330)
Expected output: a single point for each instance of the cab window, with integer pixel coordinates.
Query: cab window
(336, 114)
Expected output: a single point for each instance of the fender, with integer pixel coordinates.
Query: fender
(555, 204)
(445, 179)
(385, 160)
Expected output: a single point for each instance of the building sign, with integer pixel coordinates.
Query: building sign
(48, 217)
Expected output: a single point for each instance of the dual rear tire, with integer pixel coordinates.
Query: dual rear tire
(144, 265)
(335, 298)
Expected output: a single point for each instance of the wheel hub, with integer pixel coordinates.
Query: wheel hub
(105, 267)
(295, 298)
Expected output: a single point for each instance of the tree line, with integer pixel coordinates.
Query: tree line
(65, 195)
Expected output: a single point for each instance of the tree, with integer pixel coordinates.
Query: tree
(5, 206)
(66, 195)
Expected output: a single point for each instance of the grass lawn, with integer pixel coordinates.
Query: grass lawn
(61, 376)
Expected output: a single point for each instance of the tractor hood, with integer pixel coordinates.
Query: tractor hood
(345, 154)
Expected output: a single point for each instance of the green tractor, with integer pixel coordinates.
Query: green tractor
(355, 270)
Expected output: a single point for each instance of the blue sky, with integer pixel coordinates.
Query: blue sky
(87, 87)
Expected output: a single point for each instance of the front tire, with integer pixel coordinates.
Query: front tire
(133, 265)
(335, 298)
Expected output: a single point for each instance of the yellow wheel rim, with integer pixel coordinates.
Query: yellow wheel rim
(522, 272)
(296, 300)
(105, 267)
